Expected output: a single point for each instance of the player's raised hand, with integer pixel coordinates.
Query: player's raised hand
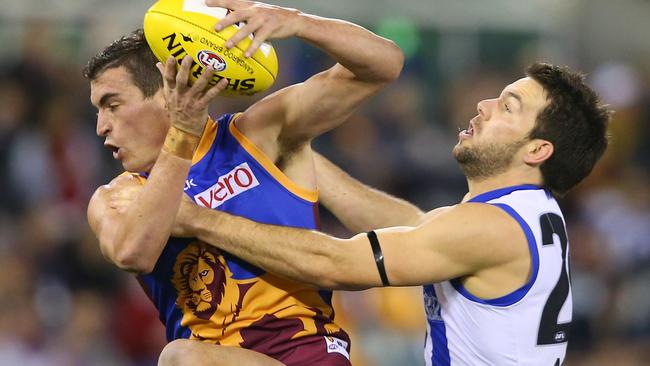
(265, 21)
(122, 191)
(187, 105)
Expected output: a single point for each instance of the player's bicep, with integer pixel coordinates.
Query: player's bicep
(324, 101)
(452, 243)
(411, 257)
(93, 213)
(104, 221)
(302, 111)
(401, 257)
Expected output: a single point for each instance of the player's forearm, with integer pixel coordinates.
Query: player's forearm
(359, 207)
(298, 254)
(354, 47)
(146, 225)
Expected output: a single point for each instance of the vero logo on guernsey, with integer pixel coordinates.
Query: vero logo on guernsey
(228, 186)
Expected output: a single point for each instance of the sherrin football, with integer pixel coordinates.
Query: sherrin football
(186, 27)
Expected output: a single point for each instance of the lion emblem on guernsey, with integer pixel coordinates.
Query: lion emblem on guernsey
(199, 278)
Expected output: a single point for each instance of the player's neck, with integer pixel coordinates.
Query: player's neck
(509, 179)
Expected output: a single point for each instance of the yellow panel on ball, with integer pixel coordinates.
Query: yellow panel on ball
(186, 27)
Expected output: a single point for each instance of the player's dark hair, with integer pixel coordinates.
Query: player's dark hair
(574, 121)
(133, 53)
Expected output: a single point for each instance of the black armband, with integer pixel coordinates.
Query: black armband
(379, 257)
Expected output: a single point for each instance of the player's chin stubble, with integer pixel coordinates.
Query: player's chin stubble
(482, 162)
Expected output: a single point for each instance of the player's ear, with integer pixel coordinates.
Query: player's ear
(538, 151)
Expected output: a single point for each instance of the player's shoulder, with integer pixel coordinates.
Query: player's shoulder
(434, 213)
(474, 219)
(477, 235)
(462, 209)
(99, 200)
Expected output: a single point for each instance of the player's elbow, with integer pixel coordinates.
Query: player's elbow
(132, 263)
(129, 258)
(379, 74)
(394, 62)
(390, 67)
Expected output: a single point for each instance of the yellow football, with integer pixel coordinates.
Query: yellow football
(186, 27)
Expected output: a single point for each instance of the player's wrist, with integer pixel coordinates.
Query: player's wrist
(189, 127)
(307, 26)
(181, 143)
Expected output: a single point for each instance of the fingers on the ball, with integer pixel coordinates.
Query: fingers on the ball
(201, 83)
(215, 90)
(169, 73)
(244, 32)
(260, 36)
(232, 18)
(184, 72)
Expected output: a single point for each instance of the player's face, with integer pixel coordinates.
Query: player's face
(134, 126)
(495, 136)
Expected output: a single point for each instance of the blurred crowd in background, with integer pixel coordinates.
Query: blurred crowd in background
(61, 303)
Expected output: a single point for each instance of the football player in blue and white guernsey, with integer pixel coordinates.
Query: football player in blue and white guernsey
(495, 266)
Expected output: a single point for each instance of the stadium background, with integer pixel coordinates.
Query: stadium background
(62, 304)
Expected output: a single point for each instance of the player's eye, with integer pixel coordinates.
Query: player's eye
(507, 107)
(113, 107)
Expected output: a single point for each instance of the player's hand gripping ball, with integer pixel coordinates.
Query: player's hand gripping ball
(186, 27)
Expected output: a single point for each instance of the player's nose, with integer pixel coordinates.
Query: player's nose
(484, 107)
(103, 125)
(481, 108)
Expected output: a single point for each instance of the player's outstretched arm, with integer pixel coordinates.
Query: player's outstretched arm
(293, 116)
(453, 242)
(132, 222)
(359, 207)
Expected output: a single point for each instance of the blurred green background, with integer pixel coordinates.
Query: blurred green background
(62, 304)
